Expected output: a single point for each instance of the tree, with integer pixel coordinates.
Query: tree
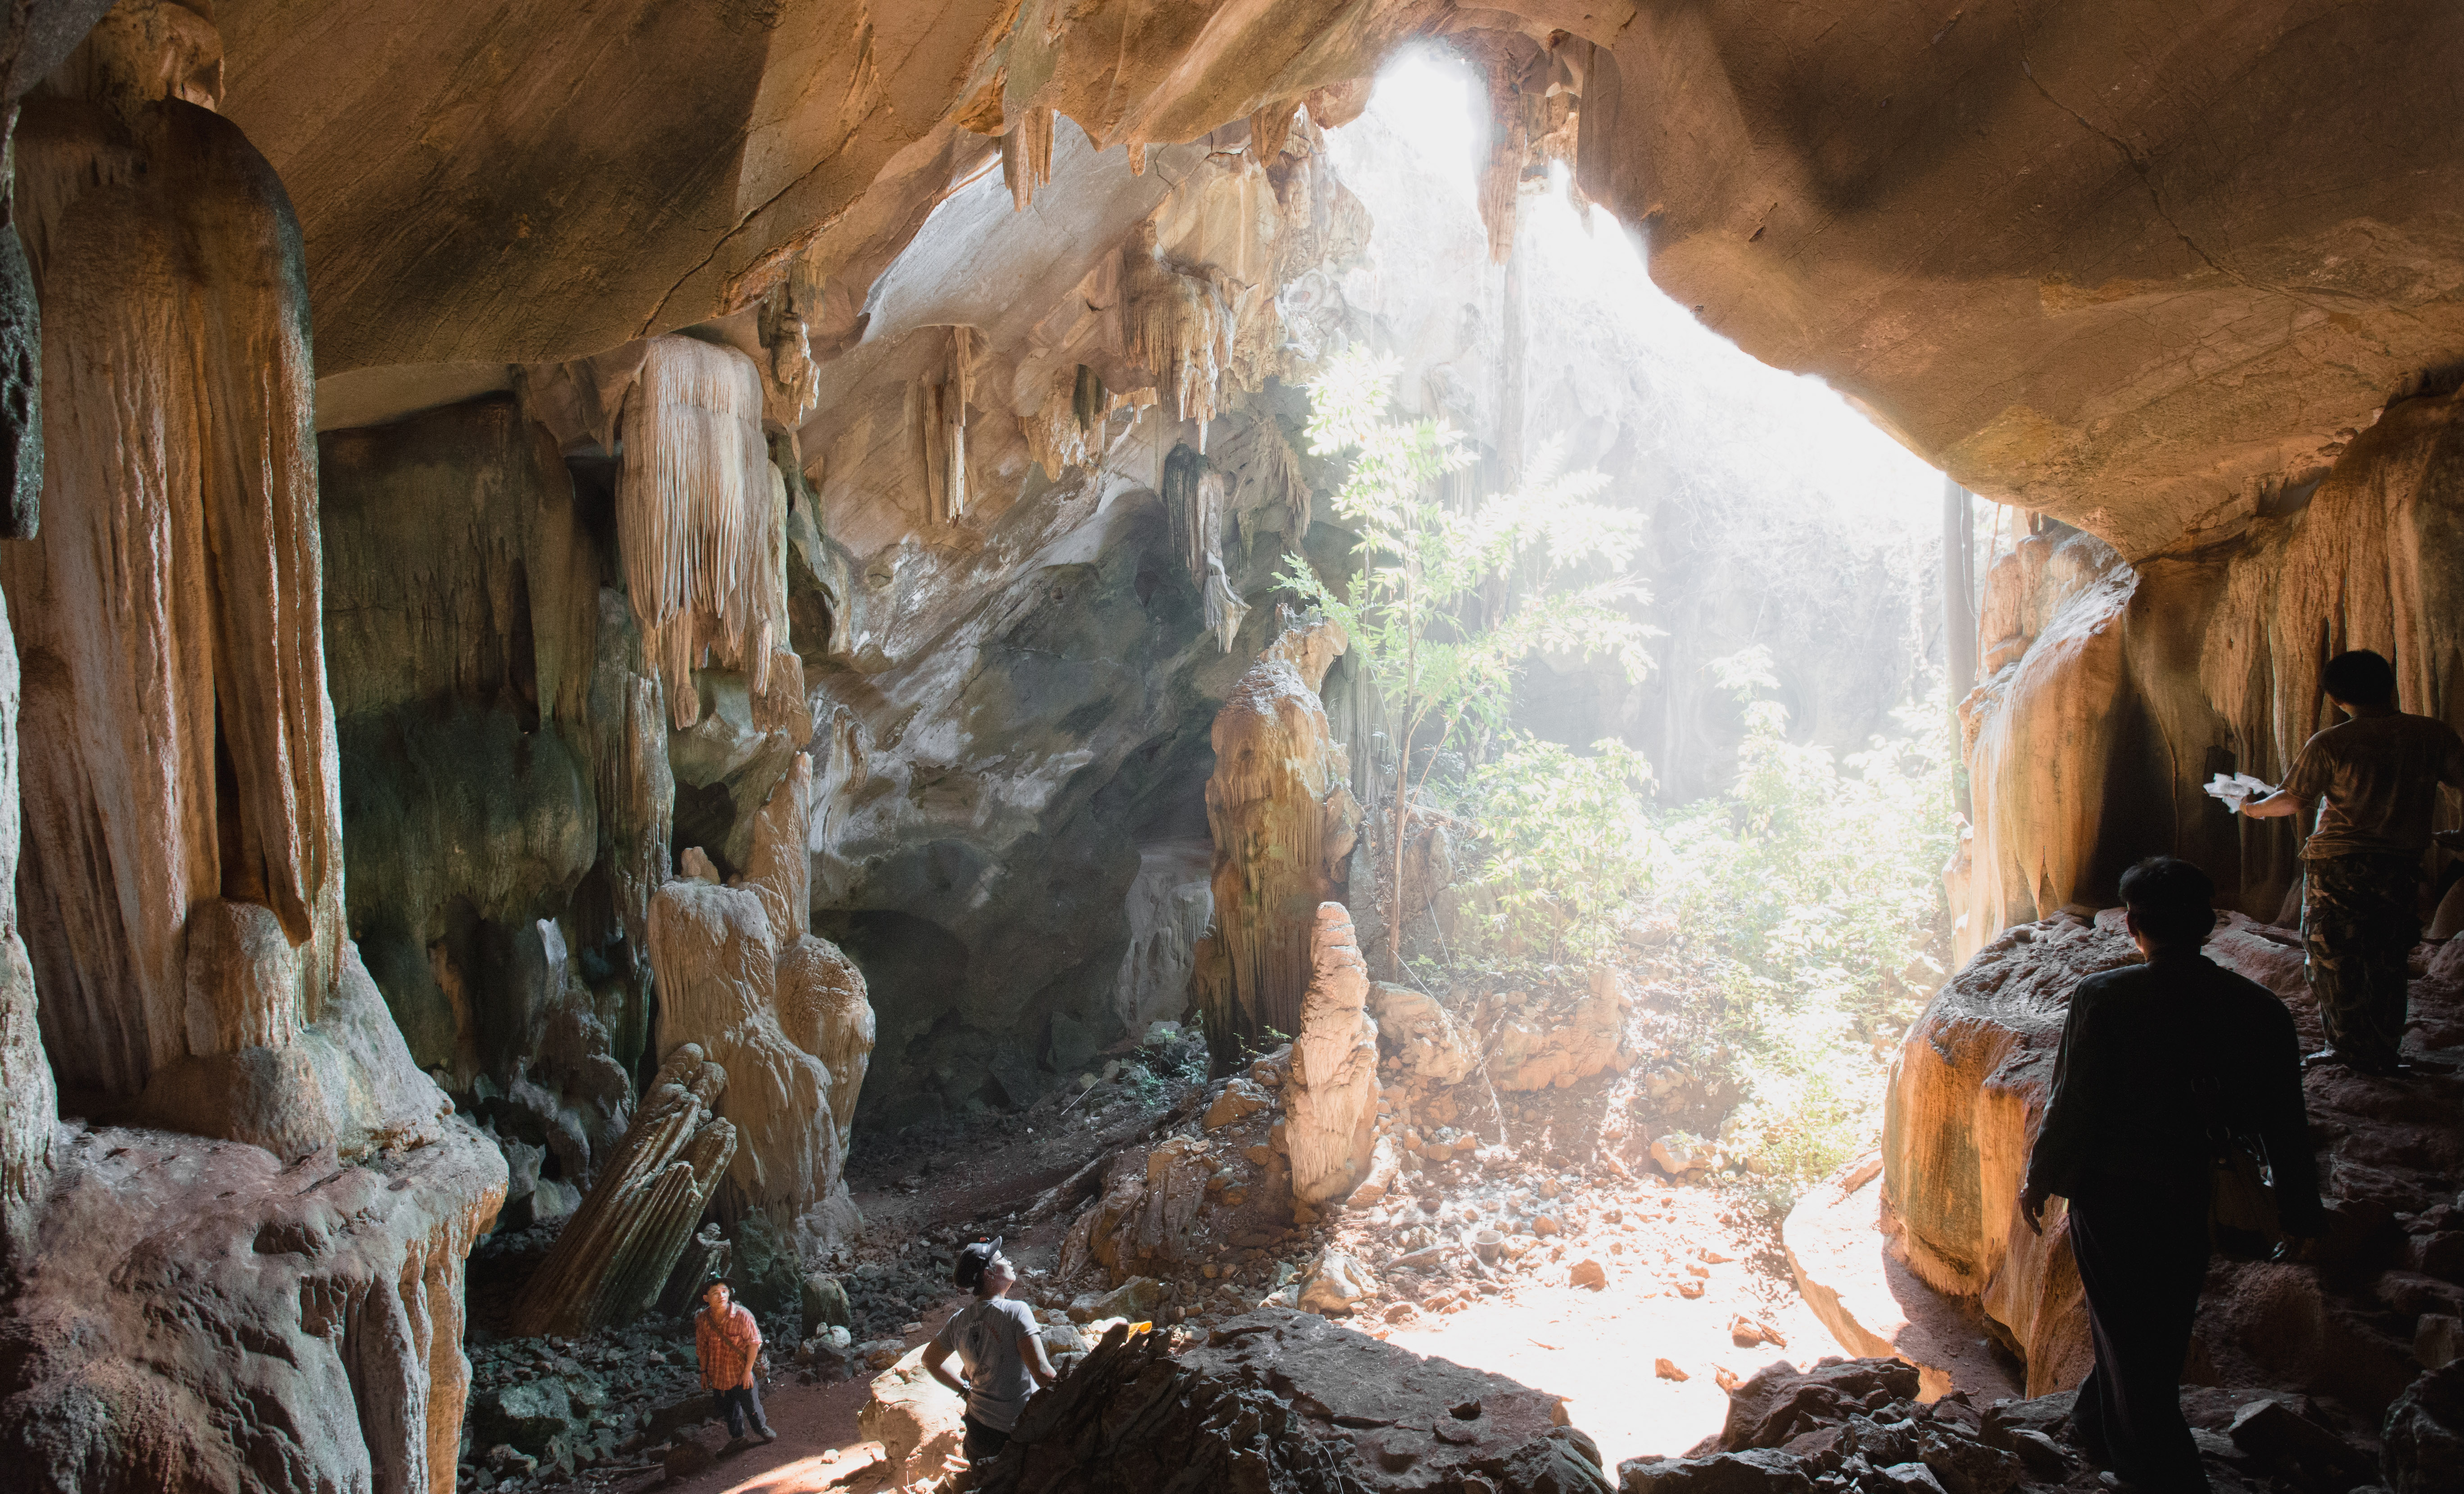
(1449, 602)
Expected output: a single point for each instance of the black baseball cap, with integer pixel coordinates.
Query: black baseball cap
(974, 1257)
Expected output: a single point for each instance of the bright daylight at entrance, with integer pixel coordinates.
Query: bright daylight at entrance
(1408, 748)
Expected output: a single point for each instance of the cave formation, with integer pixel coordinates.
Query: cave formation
(548, 551)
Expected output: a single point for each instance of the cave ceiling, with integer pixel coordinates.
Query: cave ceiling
(2136, 264)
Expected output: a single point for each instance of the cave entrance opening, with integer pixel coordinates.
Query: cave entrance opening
(1669, 922)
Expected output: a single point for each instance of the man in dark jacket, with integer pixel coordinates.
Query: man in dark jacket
(2155, 1059)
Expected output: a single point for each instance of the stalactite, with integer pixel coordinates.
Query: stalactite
(937, 415)
(697, 518)
(1177, 325)
(172, 593)
(1193, 498)
(1056, 434)
(1026, 156)
(1501, 176)
(1137, 158)
(1268, 128)
(614, 1254)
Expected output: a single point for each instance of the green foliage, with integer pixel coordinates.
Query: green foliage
(1810, 906)
(1569, 847)
(1449, 602)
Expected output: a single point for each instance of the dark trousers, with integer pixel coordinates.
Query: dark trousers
(2142, 1249)
(2359, 925)
(739, 1405)
(982, 1444)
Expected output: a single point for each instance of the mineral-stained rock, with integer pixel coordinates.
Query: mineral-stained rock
(1288, 1402)
(196, 1313)
(618, 1249)
(2103, 658)
(1331, 1101)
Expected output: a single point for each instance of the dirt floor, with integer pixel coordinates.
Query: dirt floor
(1641, 1364)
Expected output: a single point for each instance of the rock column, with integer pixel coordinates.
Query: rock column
(1282, 821)
(1332, 1098)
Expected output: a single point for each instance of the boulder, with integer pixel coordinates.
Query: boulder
(1678, 1153)
(1335, 1282)
(1289, 1402)
(1536, 1050)
(1239, 1099)
(1762, 1471)
(1416, 1029)
(914, 1419)
(1330, 1105)
(824, 1300)
(2423, 1440)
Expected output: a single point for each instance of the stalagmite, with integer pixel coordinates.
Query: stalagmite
(1026, 156)
(1283, 820)
(822, 1010)
(1332, 1097)
(778, 1008)
(611, 1259)
(698, 517)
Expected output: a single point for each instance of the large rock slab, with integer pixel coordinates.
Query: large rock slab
(1286, 1401)
(200, 1315)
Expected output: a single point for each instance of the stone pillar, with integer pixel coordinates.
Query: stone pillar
(1331, 1101)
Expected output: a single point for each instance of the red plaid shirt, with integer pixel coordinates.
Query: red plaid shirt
(726, 1347)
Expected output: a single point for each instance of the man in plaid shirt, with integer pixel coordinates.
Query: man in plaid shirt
(728, 1343)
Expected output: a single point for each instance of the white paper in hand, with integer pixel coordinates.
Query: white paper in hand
(2238, 789)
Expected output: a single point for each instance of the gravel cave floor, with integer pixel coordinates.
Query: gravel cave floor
(1607, 1351)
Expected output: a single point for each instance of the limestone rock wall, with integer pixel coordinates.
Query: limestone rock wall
(1967, 1092)
(2116, 690)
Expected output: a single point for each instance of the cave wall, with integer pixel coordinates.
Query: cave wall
(2117, 690)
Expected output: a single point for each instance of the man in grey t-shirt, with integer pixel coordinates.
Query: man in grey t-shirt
(996, 1344)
